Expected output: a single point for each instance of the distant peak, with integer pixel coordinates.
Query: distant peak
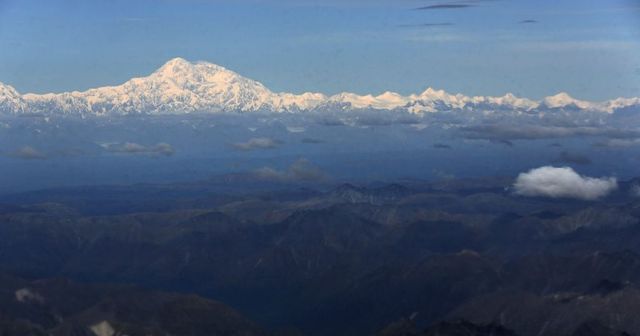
(428, 91)
(177, 61)
(8, 89)
(180, 67)
(560, 99)
(562, 95)
(175, 64)
(431, 92)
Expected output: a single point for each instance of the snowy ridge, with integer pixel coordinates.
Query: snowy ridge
(10, 100)
(180, 87)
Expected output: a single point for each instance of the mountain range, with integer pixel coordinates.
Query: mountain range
(182, 87)
(404, 258)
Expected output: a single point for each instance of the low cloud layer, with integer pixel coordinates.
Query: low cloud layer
(533, 132)
(444, 6)
(27, 153)
(618, 143)
(301, 170)
(312, 141)
(426, 25)
(135, 148)
(441, 146)
(563, 182)
(257, 143)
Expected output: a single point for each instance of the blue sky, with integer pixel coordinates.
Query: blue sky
(587, 48)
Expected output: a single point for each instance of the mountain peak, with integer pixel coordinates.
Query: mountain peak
(10, 99)
(563, 99)
(177, 61)
(175, 64)
(181, 69)
(8, 89)
(562, 96)
(182, 86)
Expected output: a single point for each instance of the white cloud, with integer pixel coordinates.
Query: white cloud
(501, 131)
(257, 143)
(563, 183)
(619, 143)
(27, 153)
(135, 148)
(577, 45)
(295, 129)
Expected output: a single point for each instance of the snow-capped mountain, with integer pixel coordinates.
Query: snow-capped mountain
(180, 86)
(10, 100)
(177, 87)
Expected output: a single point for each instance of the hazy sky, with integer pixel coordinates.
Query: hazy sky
(531, 48)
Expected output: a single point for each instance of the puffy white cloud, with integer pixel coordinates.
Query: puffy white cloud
(563, 182)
